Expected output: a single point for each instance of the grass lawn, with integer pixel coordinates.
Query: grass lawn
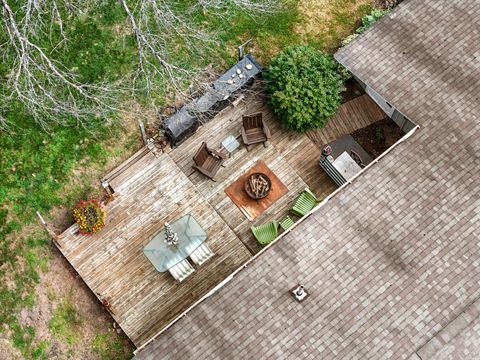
(325, 23)
(46, 311)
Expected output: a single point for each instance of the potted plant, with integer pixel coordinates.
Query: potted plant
(89, 215)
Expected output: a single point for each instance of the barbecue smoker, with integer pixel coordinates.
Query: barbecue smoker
(185, 121)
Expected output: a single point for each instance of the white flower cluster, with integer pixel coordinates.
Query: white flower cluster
(171, 237)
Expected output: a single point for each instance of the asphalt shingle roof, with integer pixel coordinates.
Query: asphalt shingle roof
(392, 258)
(459, 340)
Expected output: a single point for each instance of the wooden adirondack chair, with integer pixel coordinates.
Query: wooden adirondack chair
(305, 202)
(208, 161)
(254, 130)
(265, 233)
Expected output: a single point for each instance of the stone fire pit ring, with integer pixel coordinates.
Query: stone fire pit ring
(258, 185)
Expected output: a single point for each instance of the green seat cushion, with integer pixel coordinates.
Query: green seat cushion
(286, 223)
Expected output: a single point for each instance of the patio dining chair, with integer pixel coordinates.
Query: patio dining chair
(357, 158)
(265, 233)
(181, 270)
(305, 202)
(201, 254)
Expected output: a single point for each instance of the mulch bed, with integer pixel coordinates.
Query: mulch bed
(352, 91)
(378, 137)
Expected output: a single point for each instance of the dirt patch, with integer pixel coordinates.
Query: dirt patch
(7, 351)
(61, 283)
(378, 137)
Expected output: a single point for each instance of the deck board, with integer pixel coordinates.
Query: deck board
(155, 188)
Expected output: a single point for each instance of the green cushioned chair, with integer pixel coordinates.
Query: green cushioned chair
(305, 202)
(265, 233)
(286, 223)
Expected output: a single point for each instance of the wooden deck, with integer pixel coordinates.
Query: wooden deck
(352, 115)
(156, 188)
(112, 263)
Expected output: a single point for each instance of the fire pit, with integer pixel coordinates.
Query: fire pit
(258, 185)
(251, 207)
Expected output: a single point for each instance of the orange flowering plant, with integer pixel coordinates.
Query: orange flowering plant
(89, 215)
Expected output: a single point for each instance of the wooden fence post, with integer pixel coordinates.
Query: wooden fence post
(108, 189)
(142, 131)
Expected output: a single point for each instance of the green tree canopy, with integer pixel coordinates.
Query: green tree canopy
(303, 86)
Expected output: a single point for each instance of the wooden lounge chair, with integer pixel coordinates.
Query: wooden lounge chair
(265, 233)
(305, 202)
(181, 270)
(208, 161)
(254, 130)
(201, 254)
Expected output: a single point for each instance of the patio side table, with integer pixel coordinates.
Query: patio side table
(230, 144)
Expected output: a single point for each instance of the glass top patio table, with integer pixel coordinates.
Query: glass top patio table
(230, 144)
(164, 256)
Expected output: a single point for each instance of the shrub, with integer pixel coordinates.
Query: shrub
(89, 215)
(370, 19)
(344, 74)
(349, 39)
(303, 87)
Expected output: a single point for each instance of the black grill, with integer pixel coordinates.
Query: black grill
(185, 121)
(179, 126)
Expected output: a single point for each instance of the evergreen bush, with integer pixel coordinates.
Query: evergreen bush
(303, 87)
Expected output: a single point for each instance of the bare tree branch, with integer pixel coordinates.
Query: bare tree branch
(49, 92)
(161, 28)
(252, 7)
(150, 43)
